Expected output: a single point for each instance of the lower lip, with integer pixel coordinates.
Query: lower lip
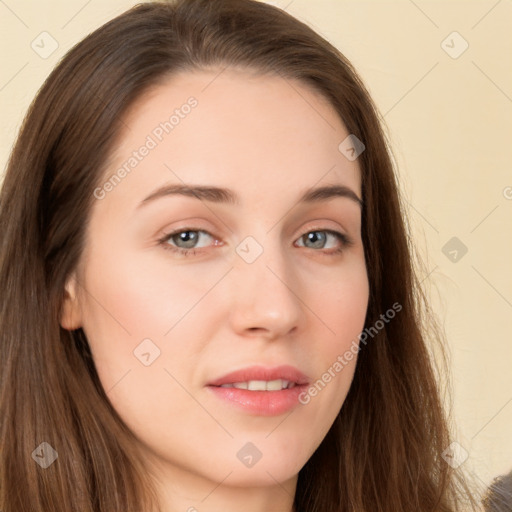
(261, 403)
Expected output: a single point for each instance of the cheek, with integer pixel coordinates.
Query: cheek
(340, 301)
(129, 309)
(127, 295)
(141, 309)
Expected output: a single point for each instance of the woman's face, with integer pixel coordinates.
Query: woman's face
(266, 288)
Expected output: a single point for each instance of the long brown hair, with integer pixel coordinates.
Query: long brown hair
(384, 450)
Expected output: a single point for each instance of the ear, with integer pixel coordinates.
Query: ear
(71, 316)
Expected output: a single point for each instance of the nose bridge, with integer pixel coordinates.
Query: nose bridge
(264, 295)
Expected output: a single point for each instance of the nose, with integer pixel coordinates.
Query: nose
(265, 299)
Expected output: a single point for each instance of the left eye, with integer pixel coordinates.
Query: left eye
(319, 241)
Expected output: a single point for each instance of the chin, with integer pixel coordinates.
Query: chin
(263, 462)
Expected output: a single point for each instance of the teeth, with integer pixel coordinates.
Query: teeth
(276, 385)
(257, 385)
(262, 385)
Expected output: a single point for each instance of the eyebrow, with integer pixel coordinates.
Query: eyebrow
(225, 195)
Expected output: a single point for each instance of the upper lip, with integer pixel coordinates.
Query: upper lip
(284, 372)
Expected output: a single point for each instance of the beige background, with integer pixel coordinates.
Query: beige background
(450, 123)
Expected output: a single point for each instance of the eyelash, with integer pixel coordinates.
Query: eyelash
(344, 239)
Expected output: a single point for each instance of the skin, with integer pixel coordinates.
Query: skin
(268, 139)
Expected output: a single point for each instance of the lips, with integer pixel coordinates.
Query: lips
(260, 391)
(260, 373)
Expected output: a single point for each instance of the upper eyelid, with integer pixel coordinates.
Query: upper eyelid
(184, 230)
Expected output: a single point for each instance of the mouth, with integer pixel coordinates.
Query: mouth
(261, 391)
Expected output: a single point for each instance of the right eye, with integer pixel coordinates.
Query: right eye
(183, 241)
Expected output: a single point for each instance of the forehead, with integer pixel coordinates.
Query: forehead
(235, 128)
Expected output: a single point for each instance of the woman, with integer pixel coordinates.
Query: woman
(209, 299)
